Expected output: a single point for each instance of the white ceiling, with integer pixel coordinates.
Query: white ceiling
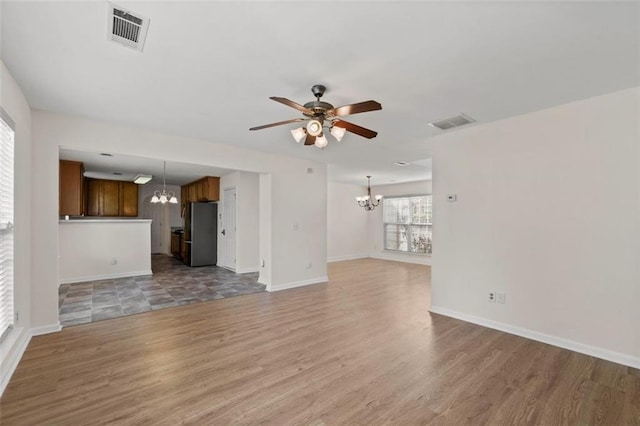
(208, 68)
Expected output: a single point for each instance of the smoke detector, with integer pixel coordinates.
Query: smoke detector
(126, 27)
(451, 122)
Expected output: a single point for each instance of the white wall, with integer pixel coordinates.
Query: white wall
(348, 235)
(376, 221)
(548, 212)
(296, 198)
(247, 186)
(102, 249)
(14, 103)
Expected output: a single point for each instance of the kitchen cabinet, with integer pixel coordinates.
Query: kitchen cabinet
(205, 189)
(128, 203)
(71, 193)
(112, 198)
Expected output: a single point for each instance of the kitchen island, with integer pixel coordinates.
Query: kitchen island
(96, 249)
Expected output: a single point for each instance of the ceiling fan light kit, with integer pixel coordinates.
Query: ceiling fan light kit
(322, 114)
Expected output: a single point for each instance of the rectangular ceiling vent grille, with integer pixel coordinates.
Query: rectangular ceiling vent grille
(451, 122)
(126, 28)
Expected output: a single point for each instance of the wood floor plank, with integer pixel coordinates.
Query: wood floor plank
(360, 349)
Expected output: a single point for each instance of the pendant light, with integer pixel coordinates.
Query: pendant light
(365, 201)
(164, 196)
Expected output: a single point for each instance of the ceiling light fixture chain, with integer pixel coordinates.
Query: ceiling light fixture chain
(164, 196)
(366, 201)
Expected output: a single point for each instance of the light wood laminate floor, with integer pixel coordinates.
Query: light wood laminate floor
(362, 349)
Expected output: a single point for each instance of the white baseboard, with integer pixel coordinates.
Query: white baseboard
(285, 286)
(18, 342)
(418, 259)
(228, 268)
(104, 277)
(247, 270)
(46, 329)
(348, 257)
(594, 351)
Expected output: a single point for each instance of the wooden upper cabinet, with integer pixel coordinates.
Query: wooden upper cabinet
(112, 198)
(93, 197)
(71, 201)
(212, 188)
(193, 195)
(128, 199)
(205, 189)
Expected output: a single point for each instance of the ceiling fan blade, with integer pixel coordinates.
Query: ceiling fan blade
(355, 108)
(292, 104)
(310, 140)
(354, 128)
(279, 123)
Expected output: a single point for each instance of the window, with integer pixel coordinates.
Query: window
(6, 223)
(407, 223)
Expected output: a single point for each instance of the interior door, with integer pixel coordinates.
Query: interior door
(229, 229)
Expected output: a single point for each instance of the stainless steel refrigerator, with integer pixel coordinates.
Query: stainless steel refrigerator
(201, 234)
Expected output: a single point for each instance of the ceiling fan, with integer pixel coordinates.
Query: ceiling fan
(321, 115)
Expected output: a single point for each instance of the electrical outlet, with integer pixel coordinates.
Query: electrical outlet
(501, 298)
(492, 296)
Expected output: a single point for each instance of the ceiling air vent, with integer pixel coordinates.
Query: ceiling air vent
(451, 122)
(126, 27)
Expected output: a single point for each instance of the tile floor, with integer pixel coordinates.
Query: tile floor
(172, 284)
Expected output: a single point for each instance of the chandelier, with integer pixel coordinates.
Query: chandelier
(164, 196)
(366, 201)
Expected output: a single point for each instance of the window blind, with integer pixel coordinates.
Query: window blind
(6, 223)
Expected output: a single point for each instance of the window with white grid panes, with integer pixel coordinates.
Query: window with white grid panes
(6, 223)
(407, 223)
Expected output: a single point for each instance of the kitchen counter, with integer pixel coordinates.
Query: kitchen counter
(106, 220)
(98, 249)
